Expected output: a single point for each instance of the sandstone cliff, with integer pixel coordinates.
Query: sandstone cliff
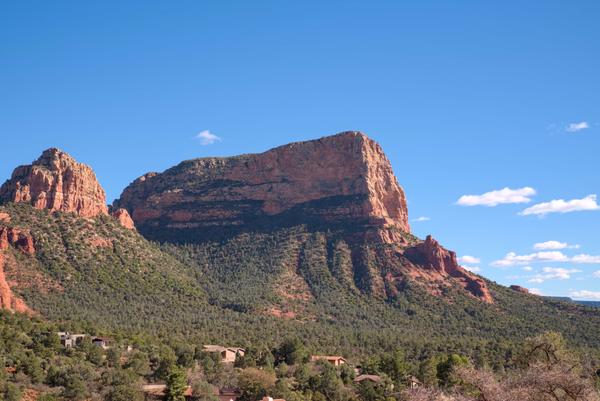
(343, 185)
(430, 255)
(123, 217)
(23, 241)
(342, 179)
(56, 182)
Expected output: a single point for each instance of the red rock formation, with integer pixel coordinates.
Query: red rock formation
(124, 219)
(520, 289)
(345, 178)
(4, 217)
(430, 255)
(7, 299)
(56, 182)
(342, 183)
(24, 242)
(19, 239)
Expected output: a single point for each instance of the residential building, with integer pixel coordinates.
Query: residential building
(69, 340)
(228, 354)
(334, 360)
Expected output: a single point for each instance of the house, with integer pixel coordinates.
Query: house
(101, 342)
(367, 378)
(228, 354)
(228, 394)
(69, 340)
(413, 382)
(334, 360)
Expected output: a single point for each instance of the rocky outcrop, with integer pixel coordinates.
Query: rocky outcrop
(123, 217)
(19, 239)
(520, 289)
(23, 241)
(342, 179)
(8, 300)
(430, 255)
(56, 182)
(342, 183)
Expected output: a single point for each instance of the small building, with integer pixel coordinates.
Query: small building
(228, 394)
(413, 382)
(69, 340)
(367, 378)
(228, 354)
(334, 360)
(101, 342)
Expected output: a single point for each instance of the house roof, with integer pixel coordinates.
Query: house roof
(220, 348)
(328, 358)
(372, 378)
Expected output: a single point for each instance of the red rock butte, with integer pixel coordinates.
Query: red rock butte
(56, 182)
(341, 178)
(343, 183)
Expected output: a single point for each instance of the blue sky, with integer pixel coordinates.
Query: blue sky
(466, 97)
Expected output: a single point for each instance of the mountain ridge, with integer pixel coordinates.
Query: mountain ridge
(343, 183)
(335, 282)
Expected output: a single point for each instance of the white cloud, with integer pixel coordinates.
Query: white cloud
(596, 274)
(528, 268)
(576, 127)
(207, 138)
(559, 272)
(563, 206)
(495, 198)
(474, 269)
(553, 273)
(535, 291)
(588, 259)
(422, 218)
(512, 259)
(554, 245)
(595, 295)
(469, 259)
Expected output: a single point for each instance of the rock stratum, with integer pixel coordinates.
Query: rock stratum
(342, 184)
(340, 179)
(55, 181)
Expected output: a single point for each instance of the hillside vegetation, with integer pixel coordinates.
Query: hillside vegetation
(257, 288)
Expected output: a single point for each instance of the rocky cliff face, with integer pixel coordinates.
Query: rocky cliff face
(56, 182)
(342, 184)
(520, 289)
(430, 255)
(123, 217)
(23, 241)
(342, 179)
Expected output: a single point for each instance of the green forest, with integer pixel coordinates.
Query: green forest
(282, 295)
